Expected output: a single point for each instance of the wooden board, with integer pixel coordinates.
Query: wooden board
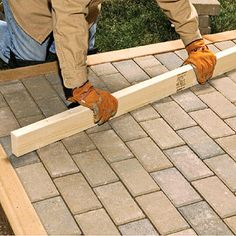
(70, 122)
(15, 202)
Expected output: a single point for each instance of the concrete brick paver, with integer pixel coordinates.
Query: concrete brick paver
(29, 120)
(119, 204)
(99, 128)
(36, 182)
(176, 187)
(202, 89)
(56, 217)
(188, 163)
(95, 169)
(217, 195)
(170, 60)
(2, 101)
(231, 123)
(77, 193)
(149, 154)
(174, 115)
(104, 69)
(161, 212)
(186, 232)
(96, 223)
(231, 222)
(127, 128)
(162, 133)
(57, 160)
(204, 220)
(111, 146)
(145, 113)
(224, 45)
(232, 75)
(140, 227)
(134, 176)
(211, 123)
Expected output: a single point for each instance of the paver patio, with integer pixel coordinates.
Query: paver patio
(166, 168)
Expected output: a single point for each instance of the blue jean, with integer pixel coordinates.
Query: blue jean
(13, 38)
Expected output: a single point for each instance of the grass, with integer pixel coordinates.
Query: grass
(130, 23)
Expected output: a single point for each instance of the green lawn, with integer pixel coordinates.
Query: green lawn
(130, 23)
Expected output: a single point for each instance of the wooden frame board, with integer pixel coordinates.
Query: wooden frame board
(70, 122)
(15, 202)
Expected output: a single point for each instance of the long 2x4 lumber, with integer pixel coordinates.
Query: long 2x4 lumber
(70, 122)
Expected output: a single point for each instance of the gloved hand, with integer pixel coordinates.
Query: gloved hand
(202, 58)
(102, 103)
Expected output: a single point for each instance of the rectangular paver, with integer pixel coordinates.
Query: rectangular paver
(170, 60)
(95, 168)
(134, 176)
(231, 222)
(145, 113)
(186, 232)
(104, 69)
(2, 101)
(217, 195)
(176, 187)
(231, 122)
(161, 212)
(188, 163)
(77, 193)
(162, 133)
(119, 204)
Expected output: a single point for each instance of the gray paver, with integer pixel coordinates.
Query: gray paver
(140, 227)
(96, 81)
(231, 222)
(188, 101)
(119, 204)
(131, 71)
(29, 120)
(204, 220)
(156, 70)
(99, 128)
(232, 123)
(169, 60)
(224, 44)
(57, 160)
(2, 101)
(228, 144)
(200, 142)
(95, 169)
(11, 87)
(7, 121)
(53, 78)
(111, 146)
(127, 128)
(77, 193)
(78, 143)
(145, 113)
(176, 187)
(36, 182)
(161, 212)
(188, 163)
(211, 123)
(225, 169)
(174, 115)
(147, 61)
(162, 133)
(186, 232)
(96, 223)
(202, 89)
(219, 104)
(217, 195)
(182, 53)
(56, 217)
(149, 154)
(104, 69)
(134, 176)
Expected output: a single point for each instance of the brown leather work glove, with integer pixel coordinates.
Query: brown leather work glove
(202, 58)
(102, 103)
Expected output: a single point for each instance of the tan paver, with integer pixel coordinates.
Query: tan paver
(202, 89)
(176, 187)
(111, 146)
(224, 44)
(184, 232)
(36, 182)
(140, 227)
(232, 75)
(56, 217)
(119, 204)
(219, 104)
(149, 154)
(104, 69)
(228, 144)
(11, 87)
(211, 123)
(147, 61)
(57, 160)
(231, 123)
(170, 60)
(225, 169)
(96, 223)
(176, 117)
(231, 222)
(145, 113)
(161, 212)
(217, 195)
(188, 101)
(188, 163)
(8, 122)
(127, 128)
(131, 71)
(162, 133)
(155, 71)
(134, 176)
(182, 53)
(78, 143)
(2, 101)
(77, 193)
(225, 86)
(95, 169)
(204, 220)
